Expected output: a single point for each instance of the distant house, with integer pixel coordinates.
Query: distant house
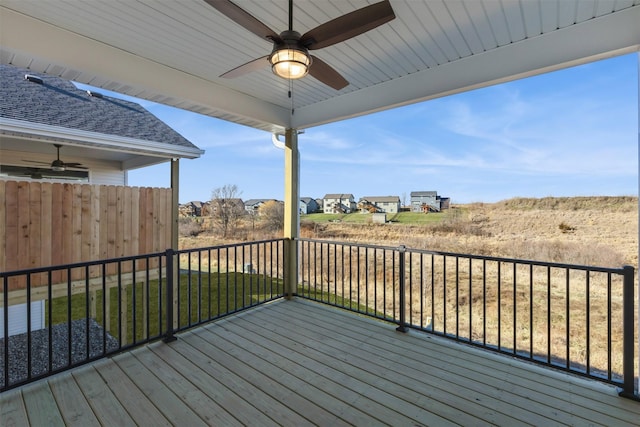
(209, 208)
(379, 204)
(189, 209)
(252, 206)
(428, 201)
(197, 208)
(308, 205)
(338, 203)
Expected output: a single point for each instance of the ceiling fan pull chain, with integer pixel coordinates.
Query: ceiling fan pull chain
(291, 96)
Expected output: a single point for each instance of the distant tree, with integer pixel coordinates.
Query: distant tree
(226, 208)
(272, 213)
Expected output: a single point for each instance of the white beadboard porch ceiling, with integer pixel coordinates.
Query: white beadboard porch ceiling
(172, 52)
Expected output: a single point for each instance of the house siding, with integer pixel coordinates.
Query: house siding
(383, 204)
(424, 198)
(338, 203)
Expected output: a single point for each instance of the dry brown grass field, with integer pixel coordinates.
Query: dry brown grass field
(583, 230)
(594, 231)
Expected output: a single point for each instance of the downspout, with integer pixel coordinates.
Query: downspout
(291, 207)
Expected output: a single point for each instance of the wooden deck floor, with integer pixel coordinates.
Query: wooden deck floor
(299, 363)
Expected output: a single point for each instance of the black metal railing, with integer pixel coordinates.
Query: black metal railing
(576, 318)
(571, 317)
(56, 318)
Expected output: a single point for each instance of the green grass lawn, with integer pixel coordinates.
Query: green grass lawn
(419, 217)
(204, 297)
(360, 218)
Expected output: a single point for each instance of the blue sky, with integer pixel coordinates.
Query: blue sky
(567, 133)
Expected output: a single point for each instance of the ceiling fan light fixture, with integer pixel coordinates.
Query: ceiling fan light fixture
(290, 62)
(57, 166)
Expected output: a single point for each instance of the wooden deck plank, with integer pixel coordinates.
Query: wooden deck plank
(101, 398)
(534, 381)
(368, 380)
(282, 386)
(378, 403)
(165, 388)
(41, 406)
(12, 410)
(444, 381)
(74, 408)
(457, 402)
(129, 395)
(537, 385)
(230, 409)
(292, 376)
(297, 363)
(248, 384)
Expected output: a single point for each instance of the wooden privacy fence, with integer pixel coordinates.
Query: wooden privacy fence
(45, 224)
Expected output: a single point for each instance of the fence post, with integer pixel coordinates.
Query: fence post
(169, 306)
(628, 345)
(401, 282)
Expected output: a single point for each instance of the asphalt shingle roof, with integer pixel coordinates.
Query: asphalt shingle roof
(57, 102)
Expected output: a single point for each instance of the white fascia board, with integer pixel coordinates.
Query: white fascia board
(22, 34)
(96, 140)
(607, 36)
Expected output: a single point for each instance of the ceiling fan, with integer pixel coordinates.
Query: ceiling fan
(290, 56)
(58, 165)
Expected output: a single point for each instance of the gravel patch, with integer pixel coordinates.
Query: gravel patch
(60, 349)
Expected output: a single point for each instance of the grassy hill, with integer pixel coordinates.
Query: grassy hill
(582, 230)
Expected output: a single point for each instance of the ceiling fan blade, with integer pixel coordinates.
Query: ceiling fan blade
(74, 165)
(249, 67)
(244, 19)
(326, 74)
(348, 26)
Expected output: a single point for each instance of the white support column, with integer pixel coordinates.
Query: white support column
(291, 209)
(175, 201)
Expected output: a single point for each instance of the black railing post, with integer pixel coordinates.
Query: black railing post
(401, 283)
(170, 282)
(628, 387)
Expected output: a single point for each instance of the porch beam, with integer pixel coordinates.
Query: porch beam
(291, 209)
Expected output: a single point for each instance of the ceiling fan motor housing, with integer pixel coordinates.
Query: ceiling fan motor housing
(289, 59)
(57, 165)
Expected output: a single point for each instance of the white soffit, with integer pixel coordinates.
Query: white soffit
(173, 52)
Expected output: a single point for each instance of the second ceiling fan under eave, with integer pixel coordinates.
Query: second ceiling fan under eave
(58, 165)
(290, 58)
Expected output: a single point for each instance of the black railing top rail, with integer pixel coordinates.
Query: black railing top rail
(76, 265)
(353, 244)
(228, 245)
(98, 262)
(614, 270)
